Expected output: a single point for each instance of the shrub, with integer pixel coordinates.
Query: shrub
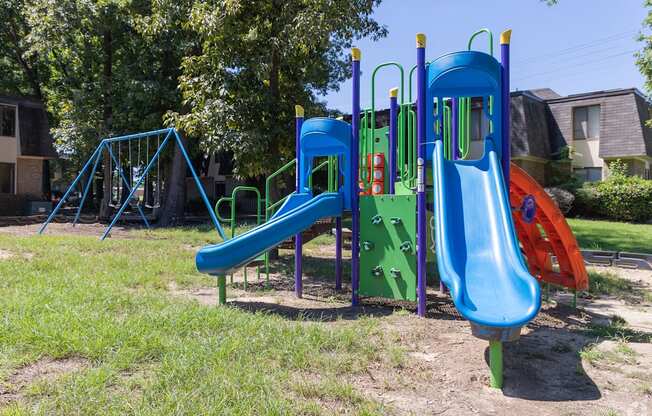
(619, 197)
(562, 198)
(625, 198)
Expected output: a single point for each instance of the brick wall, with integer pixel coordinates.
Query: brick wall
(29, 177)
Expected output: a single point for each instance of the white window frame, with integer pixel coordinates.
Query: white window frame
(588, 121)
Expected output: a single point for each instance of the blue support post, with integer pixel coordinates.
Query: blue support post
(87, 187)
(72, 186)
(298, 242)
(126, 182)
(505, 38)
(421, 177)
(393, 128)
(200, 188)
(355, 191)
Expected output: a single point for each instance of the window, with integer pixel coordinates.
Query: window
(479, 125)
(586, 122)
(6, 178)
(7, 121)
(588, 174)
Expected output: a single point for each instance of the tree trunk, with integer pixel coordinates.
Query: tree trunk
(107, 117)
(172, 211)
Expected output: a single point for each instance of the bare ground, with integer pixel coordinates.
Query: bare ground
(444, 370)
(45, 369)
(440, 369)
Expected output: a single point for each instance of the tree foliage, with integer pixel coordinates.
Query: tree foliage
(259, 58)
(644, 57)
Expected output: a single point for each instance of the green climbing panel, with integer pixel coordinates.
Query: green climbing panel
(388, 261)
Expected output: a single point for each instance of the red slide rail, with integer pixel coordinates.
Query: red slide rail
(546, 235)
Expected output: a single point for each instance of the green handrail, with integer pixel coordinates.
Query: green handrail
(268, 182)
(217, 208)
(448, 148)
(232, 199)
(491, 39)
(318, 167)
(464, 126)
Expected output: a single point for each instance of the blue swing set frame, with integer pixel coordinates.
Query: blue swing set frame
(96, 156)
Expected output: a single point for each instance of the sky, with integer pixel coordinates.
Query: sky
(575, 46)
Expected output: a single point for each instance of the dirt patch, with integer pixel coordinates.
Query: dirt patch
(94, 229)
(5, 255)
(45, 369)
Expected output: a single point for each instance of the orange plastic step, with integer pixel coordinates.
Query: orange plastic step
(547, 235)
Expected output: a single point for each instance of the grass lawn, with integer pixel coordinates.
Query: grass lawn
(615, 236)
(143, 351)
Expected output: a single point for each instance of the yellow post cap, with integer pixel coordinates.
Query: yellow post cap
(421, 40)
(505, 37)
(298, 110)
(355, 54)
(393, 92)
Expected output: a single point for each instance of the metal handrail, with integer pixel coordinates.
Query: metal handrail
(491, 39)
(268, 182)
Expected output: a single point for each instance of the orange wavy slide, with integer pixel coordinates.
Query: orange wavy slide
(548, 234)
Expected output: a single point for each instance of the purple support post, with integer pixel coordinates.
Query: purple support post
(338, 253)
(298, 243)
(505, 38)
(455, 128)
(355, 192)
(393, 129)
(421, 174)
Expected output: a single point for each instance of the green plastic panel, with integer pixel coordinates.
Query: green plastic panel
(381, 145)
(387, 223)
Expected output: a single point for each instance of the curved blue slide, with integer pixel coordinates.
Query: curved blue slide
(299, 212)
(478, 253)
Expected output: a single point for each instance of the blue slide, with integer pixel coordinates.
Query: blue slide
(478, 253)
(298, 213)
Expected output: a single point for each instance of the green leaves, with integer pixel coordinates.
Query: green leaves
(257, 60)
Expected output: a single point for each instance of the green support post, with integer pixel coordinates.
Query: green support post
(574, 302)
(221, 289)
(496, 364)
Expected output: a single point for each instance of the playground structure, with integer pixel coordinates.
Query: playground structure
(495, 233)
(135, 185)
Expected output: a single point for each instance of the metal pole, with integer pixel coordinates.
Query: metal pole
(221, 289)
(355, 193)
(421, 180)
(140, 180)
(505, 38)
(455, 128)
(338, 253)
(72, 186)
(298, 241)
(87, 188)
(393, 129)
(200, 188)
(496, 364)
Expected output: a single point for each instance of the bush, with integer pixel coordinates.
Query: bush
(619, 197)
(626, 198)
(562, 198)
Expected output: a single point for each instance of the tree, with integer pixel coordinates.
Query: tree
(259, 58)
(112, 66)
(644, 57)
(23, 72)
